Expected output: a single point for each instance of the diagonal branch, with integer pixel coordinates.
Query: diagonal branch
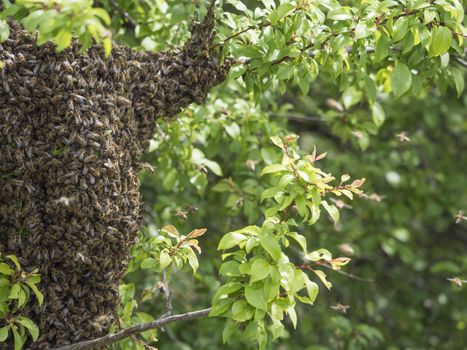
(459, 61)
(112, 338)
(126, 16)
(168, 294)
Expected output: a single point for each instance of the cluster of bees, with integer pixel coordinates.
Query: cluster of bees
(73, 128)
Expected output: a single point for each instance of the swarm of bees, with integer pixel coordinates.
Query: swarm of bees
(73, 128)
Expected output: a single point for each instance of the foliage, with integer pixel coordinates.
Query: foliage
(261, 279)
(383, 77)
(16, 286)
(60, 21)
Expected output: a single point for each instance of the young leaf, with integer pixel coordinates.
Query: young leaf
(4, 333)
(255, 296)
(332, 211)
(15, 261)
(259, 270)
(37, 293)
(440, 41)
(198, 232)
(221, 306)
(63, 39)
(271, 244)
(312, 289)
(149, 263)
(5, 269)
(18, 341)
(31, 327)
(164, 259)
(322, 277)
(171, 231)
(273, 168)
(230, 240)
(400, 29)
(401, 79)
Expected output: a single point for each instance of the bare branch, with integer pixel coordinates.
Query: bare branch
(327, 266)
(459, 61)
(168, 295)
(347, 274)
(124, 14)
(112, 338)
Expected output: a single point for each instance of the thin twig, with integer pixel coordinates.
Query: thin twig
(327, 266)
(124, 14)
(300, 118)
(459, 61)
(112, 338)
(347, 274)
(168, 295)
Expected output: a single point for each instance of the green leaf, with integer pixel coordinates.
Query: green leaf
(440, 41)
(192, 260)
(230, 240)
(300, 203)
(277, 141)
(322, 277)
(15, 261)
(21, 297)
(164, 259)
(226, 289)
(378, 114)
(17, 338)
(220, 307)
(31, 327)
(107, 42)
(14, 291)
(339, 14)
(301, 240)
(282, 11)
(149, 263)
(270, 243)
(319, 254)
(5, 269)
(241, 311)
(4, 333)
(233, 130)
(400, 29)
(273, 168)
(269, 193)
(214, 167)
(297, 281)
(401, 79)
(102, 14)
(259, 270)
(382, 46)
(458, 79)
(332, 211)
(63, 39)
(4, 30)
(230, 269)
(127, 292)
(292, 315)
(312, 290)
(255, 296)
(228, 331)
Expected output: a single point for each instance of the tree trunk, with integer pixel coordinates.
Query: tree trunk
(73, 128)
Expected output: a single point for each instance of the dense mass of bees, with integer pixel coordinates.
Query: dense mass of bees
(73, 127)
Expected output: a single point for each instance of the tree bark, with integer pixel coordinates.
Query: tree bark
(73, 128)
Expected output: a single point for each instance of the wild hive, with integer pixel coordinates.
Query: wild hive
(73, 128)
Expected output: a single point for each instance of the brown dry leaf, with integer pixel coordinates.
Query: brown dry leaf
(197, 232)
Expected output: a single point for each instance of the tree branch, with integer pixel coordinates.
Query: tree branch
(112, 338)
(168, 295)
(124, 14)
(459, 61)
